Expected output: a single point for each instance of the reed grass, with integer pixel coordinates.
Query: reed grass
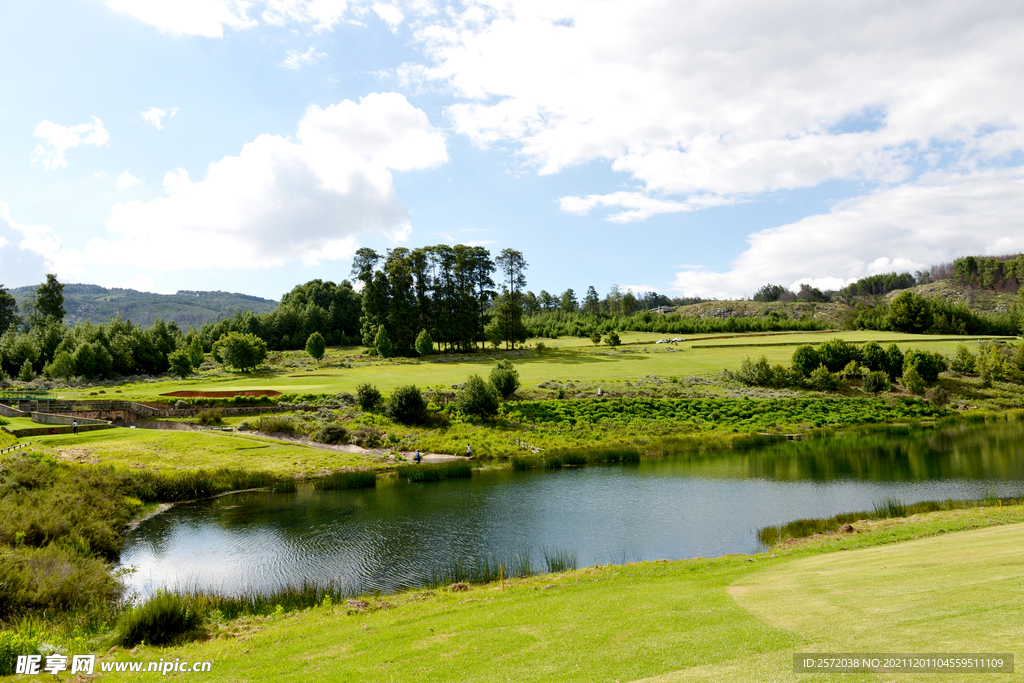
(261, 602)
(888, 508)
(455, 469)
(559, 559)
(346, 479)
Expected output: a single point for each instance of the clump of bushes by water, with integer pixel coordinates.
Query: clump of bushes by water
(54, 578)
(164, 619)
(332, 433)
(888, 508)
(13, 644)
(346, 479)
(455, 469)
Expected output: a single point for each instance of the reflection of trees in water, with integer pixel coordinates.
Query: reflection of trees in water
(972, 452)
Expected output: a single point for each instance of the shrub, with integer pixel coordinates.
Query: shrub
(852, 371)
(368, 396)
(912, 380)
(505, 379)
(805, 359)
(612, 339)
(316, 346)
(367, 437)
(478, 398)
(753, 374)
(424, 343)
(876, 382)
(382, 343)
(836, 354)
(181, 404)
(210, 416)
(964, 361)
(893, 365)
(927, 363)
(180, 363)
(240, 351)
(937, 395)
(909, 312)
(595, 337)
(54, 579)
(823, 380)
(27, 373)
(272, 424)
(872, 356)
(333, 433)
(164, 619)
(406, 405)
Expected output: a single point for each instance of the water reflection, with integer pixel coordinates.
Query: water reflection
(686, 506)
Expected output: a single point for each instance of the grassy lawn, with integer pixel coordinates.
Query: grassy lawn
(733, 618)
(174, 450)
(577, 360)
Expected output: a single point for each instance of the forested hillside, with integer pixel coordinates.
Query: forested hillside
(186, 308)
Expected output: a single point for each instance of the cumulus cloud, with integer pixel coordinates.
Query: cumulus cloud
(189, 17)
(295, 59)
(58, 139)
(29, 252)
(390, 14)
(282, 200)
(732, 98)
(155, 115)
(127, 181)
(904, 228)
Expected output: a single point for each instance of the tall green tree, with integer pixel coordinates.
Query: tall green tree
(316, 346)
(8, 310)
(591, 302)
(382, 343)
(49, 301)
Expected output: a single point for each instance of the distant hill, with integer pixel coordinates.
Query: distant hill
(187, 308)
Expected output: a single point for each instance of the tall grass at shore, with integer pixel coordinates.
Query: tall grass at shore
(888, 508)
(346, 479)
(454, 469)
(576, 458)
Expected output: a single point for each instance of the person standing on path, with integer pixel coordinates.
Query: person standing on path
(469, 451)
(418, 458)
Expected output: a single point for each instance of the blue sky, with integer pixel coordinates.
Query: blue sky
(692, 148)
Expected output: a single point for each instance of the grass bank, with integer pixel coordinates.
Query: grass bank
(943, 581)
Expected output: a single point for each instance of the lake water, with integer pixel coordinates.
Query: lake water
(395, 536)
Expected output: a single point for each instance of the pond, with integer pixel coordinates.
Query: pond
(397, 535)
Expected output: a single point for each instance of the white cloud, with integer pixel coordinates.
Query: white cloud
(390, 14)
(323, 14)
(281, 200)
(639, 205)
(156, 116)
(904, 228)
(126, 181)
(58, 139)
(190, 17)
(295, 59)
(28, 252)
(736, 97)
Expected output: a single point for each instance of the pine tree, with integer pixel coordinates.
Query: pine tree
(382, 343)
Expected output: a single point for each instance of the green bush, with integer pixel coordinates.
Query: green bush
(406, 406)
(872, 356)
(424, 343)
(478, 398)
(893, 365)
(964, 361)
(505, 379)
(368, 396)
(333, 433)
(53, 579)
(876, 382)
(367, 437)
(928, 364)
(822, 379)
(346, 479)
(912, 380)
(210, 416)
(805, 360)
(164, 619)
(836, 354)
(277, 424)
